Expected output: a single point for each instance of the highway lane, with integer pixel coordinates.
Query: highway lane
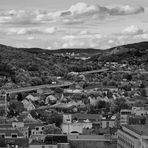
(32, 88)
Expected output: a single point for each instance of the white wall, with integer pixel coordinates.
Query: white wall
(67, 118)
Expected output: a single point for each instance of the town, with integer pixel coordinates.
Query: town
(101, 108)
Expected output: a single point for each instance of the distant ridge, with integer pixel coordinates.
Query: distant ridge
(133, 53)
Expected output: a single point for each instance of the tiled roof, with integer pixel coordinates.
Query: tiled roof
(138, 129)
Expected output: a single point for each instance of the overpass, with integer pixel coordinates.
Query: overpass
(34, 88)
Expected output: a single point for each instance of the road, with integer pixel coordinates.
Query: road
(94, 71)
(32, 88)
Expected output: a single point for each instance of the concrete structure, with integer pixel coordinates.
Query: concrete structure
(132, 136)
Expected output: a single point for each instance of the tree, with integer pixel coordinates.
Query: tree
(101, 104)
(2, 142)
(120, 104)
(19, 97)
(55, 118)
(51, 129)
(15, 108)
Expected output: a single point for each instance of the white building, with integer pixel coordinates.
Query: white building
(76, 127)
(132, 136)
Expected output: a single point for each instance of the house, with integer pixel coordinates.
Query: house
(132, 136)
(108, 122)
(51, 99)
(28, 105)
(27, 129)
(13, 137)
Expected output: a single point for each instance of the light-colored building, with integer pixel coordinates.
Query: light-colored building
(67, 118)
(132, 136)
(76, 127)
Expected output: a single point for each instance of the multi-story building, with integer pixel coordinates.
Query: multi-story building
(132, 136)
(75, 123)
(124, 113)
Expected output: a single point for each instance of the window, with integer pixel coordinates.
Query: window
(14, 135)
(2, 135)
(37, 128)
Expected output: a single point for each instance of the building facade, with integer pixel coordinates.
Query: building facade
(132, 136)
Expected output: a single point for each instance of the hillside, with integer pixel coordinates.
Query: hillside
(27, 67)
(21, 67)
(136, 53)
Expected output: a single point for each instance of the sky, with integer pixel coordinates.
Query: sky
(54, 24)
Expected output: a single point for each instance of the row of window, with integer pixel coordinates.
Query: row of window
(125, 142)
(12, 135)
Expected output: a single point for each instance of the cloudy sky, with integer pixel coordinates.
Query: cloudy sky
(53, 24)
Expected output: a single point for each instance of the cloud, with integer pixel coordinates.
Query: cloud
(75, 14)
(125, 10)
(132, 30)
(83, 9)
(33, 30)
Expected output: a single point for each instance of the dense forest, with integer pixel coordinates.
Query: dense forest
(28, 67)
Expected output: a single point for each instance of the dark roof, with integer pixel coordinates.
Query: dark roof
(81, 116)
(138, 129)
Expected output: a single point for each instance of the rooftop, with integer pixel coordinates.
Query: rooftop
(86, 116)
(138, 129)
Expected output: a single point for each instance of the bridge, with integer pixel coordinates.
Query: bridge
(33, 88)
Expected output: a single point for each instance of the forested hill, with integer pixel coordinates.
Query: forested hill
(135, 53)
(27, 67)
(35, 66)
